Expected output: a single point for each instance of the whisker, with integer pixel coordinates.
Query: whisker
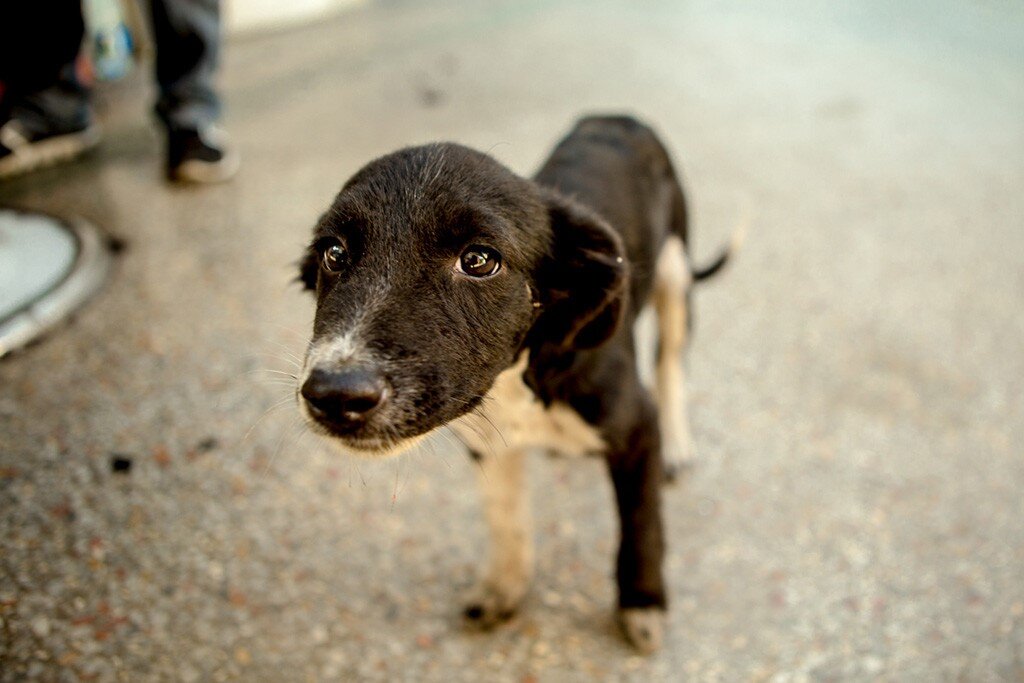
(294, 430)
(394, 490)
(294, 361)
(288, 351)
(498, 144)
(448, 438)
(277, 382)
(478, 430)
(300, 334)
(438, 453)
(272, 372)
(493, 426)
(265, 413)
(417, 455)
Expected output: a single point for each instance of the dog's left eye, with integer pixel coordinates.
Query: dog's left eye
(333, 256)
(479, 261)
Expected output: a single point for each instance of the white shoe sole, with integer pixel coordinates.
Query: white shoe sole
(205, 172)
(48, 152)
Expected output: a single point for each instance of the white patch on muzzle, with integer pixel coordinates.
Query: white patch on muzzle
(334, 352)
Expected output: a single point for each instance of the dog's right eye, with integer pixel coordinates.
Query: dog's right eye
(479, 261)
(333, 256)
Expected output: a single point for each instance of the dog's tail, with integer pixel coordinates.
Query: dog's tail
(680, 221)
(703, 272)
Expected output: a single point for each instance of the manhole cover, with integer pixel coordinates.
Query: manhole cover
(48, 269)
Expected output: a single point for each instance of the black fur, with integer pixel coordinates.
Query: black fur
(617, 166)
(578, 244)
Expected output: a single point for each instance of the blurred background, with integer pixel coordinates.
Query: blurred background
(855, 377)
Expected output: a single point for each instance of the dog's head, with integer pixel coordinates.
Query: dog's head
(434, 268)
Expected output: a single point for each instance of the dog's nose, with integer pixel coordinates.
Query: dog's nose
(349, 393)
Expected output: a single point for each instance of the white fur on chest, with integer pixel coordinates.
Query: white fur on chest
(511, 416)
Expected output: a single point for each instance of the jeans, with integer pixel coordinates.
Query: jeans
(39, 43)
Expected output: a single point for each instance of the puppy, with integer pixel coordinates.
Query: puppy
(452, 292)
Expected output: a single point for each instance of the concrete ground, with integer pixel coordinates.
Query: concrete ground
(856, 378)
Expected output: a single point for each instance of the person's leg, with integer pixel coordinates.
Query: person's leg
(187, 35)
(45, 116)
(61, 107)
(39, 42)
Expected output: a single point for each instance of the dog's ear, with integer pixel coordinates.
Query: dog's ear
(309, 268)
(583, 280)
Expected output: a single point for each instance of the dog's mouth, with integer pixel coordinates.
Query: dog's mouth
(358, 437)
(371, 446)
(374, 446)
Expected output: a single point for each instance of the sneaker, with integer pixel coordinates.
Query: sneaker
(200, 156)
(22, 151)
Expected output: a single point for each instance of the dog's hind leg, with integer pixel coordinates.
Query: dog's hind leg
(671, 281)
(510, 567)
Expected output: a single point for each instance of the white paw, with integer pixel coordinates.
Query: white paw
(677, 455)
(644, 627)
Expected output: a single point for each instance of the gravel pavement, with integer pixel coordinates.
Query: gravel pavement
(856, 379)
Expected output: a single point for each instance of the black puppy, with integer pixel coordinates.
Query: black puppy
(450, 291)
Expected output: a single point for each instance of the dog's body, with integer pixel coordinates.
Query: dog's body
(523, 341)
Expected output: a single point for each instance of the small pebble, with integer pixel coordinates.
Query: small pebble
(41, 626)
(552, 598)
(208, 444)
(121, 464)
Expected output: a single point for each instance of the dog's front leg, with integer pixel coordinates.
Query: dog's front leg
(636, 471)
(507, 507)
(671, 281)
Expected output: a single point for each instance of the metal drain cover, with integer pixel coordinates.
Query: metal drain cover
(48, 269)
